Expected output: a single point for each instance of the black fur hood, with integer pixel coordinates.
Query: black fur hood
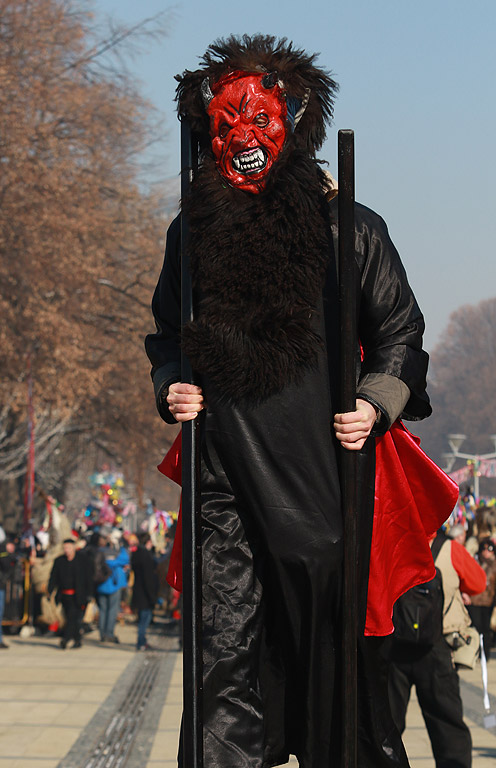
(258, 264)
(301, 79)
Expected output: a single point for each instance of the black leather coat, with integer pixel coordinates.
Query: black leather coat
(390, 323)
(272, 529)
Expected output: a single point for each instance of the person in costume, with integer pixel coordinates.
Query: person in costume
(265, 345)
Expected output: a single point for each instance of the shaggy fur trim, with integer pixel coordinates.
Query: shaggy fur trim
(258, 265)
(294, 67)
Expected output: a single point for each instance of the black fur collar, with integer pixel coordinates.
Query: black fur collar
(258, 265)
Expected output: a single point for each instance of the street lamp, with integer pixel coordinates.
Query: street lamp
(448, 461)
(455, 442)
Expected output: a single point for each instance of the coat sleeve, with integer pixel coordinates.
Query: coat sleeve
(472, 576)
(163, 346)
(390, 322)
(388, 394)
(121, 560)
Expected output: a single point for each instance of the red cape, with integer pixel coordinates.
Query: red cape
(413, 498)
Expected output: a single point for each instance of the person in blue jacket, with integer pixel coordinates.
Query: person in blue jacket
(108, 593)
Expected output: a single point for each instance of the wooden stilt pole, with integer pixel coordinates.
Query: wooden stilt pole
(192, 731)
(348, 311)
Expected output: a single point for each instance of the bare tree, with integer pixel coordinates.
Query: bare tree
(80, 235)
(463, 382)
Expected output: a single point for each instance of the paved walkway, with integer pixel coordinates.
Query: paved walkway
(483, 741)
(70, 709)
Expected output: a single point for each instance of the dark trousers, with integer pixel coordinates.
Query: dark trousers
(481, 619)
(438, 692)
(144, 619)
(2, 608)
(73, 618)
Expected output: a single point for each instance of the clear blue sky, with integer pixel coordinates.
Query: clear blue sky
(417, 86)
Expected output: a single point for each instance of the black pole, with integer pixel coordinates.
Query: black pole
(347, 298)
(192, 730)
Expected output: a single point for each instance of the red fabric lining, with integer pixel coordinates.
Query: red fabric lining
(413, 497)
(170, 466)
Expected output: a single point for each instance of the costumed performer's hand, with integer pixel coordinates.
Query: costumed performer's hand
(353, 428)
(185, 401)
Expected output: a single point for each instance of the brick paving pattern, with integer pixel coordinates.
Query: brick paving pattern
(55, 705)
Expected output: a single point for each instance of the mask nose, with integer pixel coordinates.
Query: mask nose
(240, 139)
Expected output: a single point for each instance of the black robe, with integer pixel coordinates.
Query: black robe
(272, 530)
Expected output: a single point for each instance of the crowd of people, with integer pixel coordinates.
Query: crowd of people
(80, 580)
(82, 577)
(479, 538)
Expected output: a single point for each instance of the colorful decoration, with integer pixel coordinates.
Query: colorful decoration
(158, 524)
(481, 468)
(466, 510)
(111, 505)
(108, 505)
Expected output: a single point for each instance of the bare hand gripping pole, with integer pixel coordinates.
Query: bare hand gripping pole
(347, 299)
(192, 730)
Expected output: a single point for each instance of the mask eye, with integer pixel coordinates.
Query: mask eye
(224, 130)
(262, 120)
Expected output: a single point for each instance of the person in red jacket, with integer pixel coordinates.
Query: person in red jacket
(431, 669)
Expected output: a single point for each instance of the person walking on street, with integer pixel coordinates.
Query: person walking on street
(70, 578)
(481, 606)
(7, 564)
(108, 593)
(431, 668)
(145, 587)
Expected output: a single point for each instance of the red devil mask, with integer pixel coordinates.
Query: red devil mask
(247, 126)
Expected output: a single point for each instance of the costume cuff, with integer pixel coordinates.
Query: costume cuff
(388, 393)
(163, 377)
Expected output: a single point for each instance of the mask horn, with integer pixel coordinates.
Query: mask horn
(303, 106)
(269, 80)
(206, 92)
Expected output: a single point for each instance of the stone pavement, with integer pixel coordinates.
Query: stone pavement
(88, 707)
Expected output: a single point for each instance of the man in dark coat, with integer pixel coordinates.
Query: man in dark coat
(70, 579)
(145, 587)
(265, 344)
(8, 560)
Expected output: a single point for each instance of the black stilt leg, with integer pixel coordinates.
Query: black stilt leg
(192, 730)
(348, 342)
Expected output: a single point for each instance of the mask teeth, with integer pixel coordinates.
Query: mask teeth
(249, 161)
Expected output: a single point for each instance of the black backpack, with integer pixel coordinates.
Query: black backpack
(101, 571)
(418, 614)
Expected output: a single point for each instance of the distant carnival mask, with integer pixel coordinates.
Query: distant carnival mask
(247, 127)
